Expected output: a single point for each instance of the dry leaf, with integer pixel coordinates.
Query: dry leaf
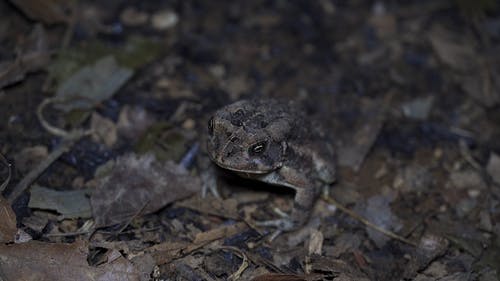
(92, 84)
(133, 121)
(8, 227)
(316, 242)
(358, 144)
(42, 261)
(34, 56)
(70, 203)
(29, 157)
(139, 185)
(48, 11)
(212, 206)
(103, 130)
(493, 167)
(452, 50)
(166, 252)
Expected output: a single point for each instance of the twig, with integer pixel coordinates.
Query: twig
(244, 264)
(66, 234)
(38, 170)
(45, 124)
(368, 223)
(466, 154)
(6, 182)
(137, 213)
(69, 138)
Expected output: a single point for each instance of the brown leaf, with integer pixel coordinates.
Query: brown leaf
(452, 50)
(37, 260)
(47, 11)
(104, 130)
(133, 121)
(8, 227)
(29, 157)
(361, 138)
(32, 58)
(282, 277)
(212, 206)
(168, 251)
(139, 185)
(336, 267)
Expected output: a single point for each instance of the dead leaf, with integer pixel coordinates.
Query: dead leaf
(429, 248)
(279, 277)
(166, 252)
(29, 157)
(418, 108)
(452, 50)
(103, 130)
(336, 268)
(38, 220)
(70, 204)
(289, 277)
(385, 23)
(378, 211)
(92, 84)
(358, 144)
(218, 233)
(467, 179)
(133, 121)
(493, 168)
(236, 86)
(37, 260)
(139, 185)
(316, 242)
(34, 56)
(8, 227)
(48, 11)
(212, 206)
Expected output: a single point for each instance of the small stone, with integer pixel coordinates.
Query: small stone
(188, 124)
(163, 83)
(485, 221)
(165, 19)
(493, 167)
(217, 70)
(467, 179)
(418, 108)
(133, 17)
(473, 193)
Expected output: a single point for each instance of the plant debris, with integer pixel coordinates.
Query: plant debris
(138, 185)
(106, 109)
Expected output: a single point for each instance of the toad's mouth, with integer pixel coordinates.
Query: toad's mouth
(242, 170)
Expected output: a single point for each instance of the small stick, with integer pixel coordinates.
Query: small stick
(244, 264)
(368, 223)
(6, 182)
(69, 138)
(38, 170)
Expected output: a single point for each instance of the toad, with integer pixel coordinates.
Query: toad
(274, 142)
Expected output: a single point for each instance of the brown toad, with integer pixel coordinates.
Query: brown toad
(273, 142)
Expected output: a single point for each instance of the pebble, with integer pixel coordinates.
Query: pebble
(164, 20)
(493, 168)
(133, 17)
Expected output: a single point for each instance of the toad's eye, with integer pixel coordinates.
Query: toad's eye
(237, 118)
(211, 126)
(258, 148)
(238, 113)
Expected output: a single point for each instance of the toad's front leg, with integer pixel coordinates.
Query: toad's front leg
(302, 206)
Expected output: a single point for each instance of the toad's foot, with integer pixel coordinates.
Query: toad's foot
(285, 224)
(209, 184)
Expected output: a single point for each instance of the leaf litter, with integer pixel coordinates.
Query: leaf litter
(421, 162)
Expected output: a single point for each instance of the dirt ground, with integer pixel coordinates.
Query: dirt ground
(104, 108)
